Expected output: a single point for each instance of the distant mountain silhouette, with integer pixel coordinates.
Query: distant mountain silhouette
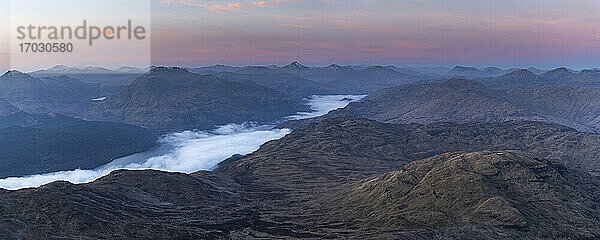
(64, 70)
(536, 71)
(285, 83)
(461, 71)
(59, 94)
(517, 79)
(295, 66)
(557, 77)
(214, 69)
(561, 75)
(348, 80)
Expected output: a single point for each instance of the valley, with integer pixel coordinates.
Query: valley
(187, 151)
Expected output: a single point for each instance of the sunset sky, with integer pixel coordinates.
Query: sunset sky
(509, 33)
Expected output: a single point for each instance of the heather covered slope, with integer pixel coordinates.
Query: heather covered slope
(320, 180)
(128, 204)
(343, 147)
(175, 99)
(319, 157)
(486, 195)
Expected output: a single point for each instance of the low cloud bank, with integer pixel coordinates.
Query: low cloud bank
(187, 152)
(321, 105)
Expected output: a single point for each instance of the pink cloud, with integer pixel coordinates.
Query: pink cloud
(229, 6)
(235, 6)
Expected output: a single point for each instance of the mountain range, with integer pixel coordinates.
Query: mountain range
(431, 153)
(462, 101)
(170, 99)
(558, 77)
(62, 94)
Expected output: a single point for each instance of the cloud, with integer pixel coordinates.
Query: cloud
(321, 105)
(215, 6)
(234, 6)
(187, 152)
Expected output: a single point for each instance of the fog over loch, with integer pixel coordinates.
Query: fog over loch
(189, 151)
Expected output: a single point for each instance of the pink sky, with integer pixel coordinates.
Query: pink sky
(542, 33)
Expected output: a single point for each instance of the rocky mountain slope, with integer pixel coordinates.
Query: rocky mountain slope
(463, 101)
(175, 99)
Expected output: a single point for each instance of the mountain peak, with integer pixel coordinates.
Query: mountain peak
(334, 67)
(15, 73)
(295, 66)
(60, 68)
(562, 70)
(558, 75)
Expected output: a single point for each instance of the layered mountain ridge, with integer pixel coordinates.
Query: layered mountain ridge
(61, 94)
(464, 101)
(175, 99)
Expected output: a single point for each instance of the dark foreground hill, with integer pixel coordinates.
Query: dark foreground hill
(175, 99)
(130, 205)
(338, 178)
(33, 144)
(464, 101)
(482, 195)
